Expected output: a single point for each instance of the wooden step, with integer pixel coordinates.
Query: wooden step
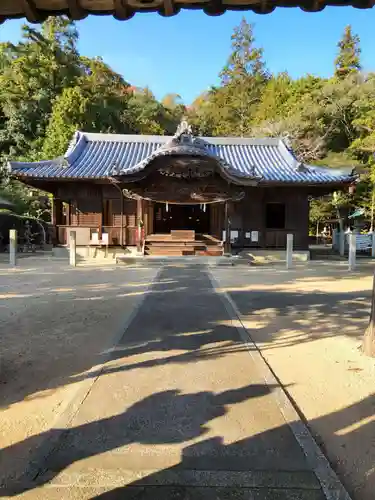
(174, 243)
(179, 249)
(174, 252)
(199, 246)
(182, 234)
(210, 253)
(182, 243)
(184, 251)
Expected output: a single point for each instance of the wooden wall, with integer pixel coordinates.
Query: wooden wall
(99, 207)
(249, 215)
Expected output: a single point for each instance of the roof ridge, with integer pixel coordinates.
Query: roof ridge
(289, 156)
(108, 137)
(75, 147)
(162, 139)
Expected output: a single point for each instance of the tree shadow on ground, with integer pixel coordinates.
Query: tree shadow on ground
(191, 327)
(311, 315)
(165, 417)
(356, 420)
(47, 346)
(208, 467)
(305, 316)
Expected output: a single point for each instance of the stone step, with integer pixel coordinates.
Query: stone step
(178, 260)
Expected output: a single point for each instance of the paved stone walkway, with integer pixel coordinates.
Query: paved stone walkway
(179, 412)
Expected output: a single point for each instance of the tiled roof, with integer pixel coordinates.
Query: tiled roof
(95, 156)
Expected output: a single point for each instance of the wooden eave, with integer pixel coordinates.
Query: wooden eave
(36, 11)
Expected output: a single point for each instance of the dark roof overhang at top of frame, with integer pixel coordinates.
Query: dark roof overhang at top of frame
(241, 161)
(38, 10)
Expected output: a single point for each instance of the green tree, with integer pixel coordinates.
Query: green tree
(321, 211)
(242, 79)
(175, 110)
(97, 103)
(33, 73)
(348, 60)
(245, 60)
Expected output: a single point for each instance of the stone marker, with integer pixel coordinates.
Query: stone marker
(342, 243)
(12, 247)
(289, 250)
(72, 248)
(352, 251)
(368, 342)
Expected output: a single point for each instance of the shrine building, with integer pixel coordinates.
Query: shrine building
(181, 194)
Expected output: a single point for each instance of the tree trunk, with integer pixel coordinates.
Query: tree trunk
(368, 344)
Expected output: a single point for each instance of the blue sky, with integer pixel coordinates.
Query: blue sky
(185, 53)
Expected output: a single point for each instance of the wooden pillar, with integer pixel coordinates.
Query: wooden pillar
(122, 239)
(54, 211)
(148, 210)
(151, 208)
(227, 246)
(68, 213)
(263, 230)
(102, 221)
(139, 222)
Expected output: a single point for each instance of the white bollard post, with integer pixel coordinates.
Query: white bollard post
(373, 244)
(289, 250)
(352, 251)
(334, 239)
(72, 248)
(342, 243)
(13, 247)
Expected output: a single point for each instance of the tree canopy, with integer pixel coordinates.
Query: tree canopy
(48, 90)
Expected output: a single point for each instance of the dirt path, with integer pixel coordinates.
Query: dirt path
(55, 322)
(308, 324)
(180, 411)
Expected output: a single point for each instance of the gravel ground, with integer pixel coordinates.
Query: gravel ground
(55, 322)
(308, 324)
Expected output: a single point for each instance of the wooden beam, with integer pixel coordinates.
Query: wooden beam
(31, 11)
(263, 6)
(122, 11)
(168, 9)
(77, 12)
(313, 5)
(214, 8)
